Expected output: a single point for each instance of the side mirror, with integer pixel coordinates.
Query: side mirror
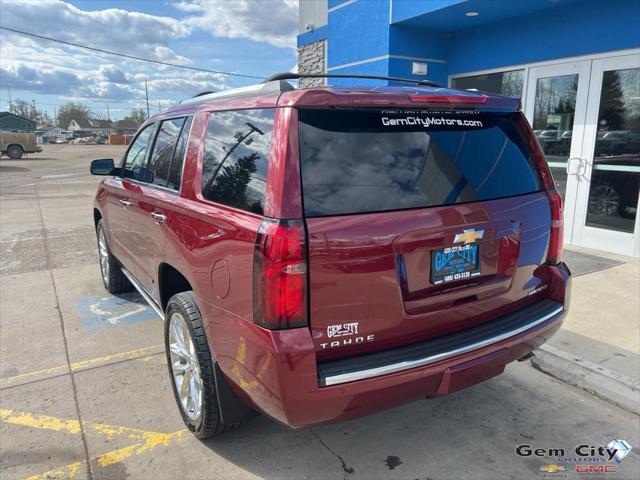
(103, 166)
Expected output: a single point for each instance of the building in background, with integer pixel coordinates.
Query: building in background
(90, 125)
(575, 64)
(15, 123)
(126, 126)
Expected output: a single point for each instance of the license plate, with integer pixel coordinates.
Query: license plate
(455, 263)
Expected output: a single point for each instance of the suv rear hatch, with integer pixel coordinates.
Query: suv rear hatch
(420, 223)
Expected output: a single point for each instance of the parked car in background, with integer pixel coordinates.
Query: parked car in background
(614, 190)
(320, 254)
(15, 145)
(618, 142)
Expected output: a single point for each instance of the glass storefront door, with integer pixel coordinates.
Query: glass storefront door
(556, 108)
(607, 199)
(586, 117)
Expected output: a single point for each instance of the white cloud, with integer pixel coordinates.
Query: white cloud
(271, 21)
(23, 77)
(112, 73)
(41, 67)
(112, 29)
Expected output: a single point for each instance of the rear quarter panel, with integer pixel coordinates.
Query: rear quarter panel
(212, 246)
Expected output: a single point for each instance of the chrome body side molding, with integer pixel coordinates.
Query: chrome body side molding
(138, 286)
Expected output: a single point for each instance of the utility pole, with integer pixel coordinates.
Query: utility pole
(159, 109)
(55, 116)
(146, 91)
(108, 116)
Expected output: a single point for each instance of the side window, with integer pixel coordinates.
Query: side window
(236, 158)
(163, 150)
(175, 171)
(134, 163)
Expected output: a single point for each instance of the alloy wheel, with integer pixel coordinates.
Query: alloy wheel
(103, 252)
(185, 367)
(604, 200)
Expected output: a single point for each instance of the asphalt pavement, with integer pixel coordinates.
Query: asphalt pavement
(85, 393)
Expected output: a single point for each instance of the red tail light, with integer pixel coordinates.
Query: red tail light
(556, 237)
(538, 155)
(280, 275)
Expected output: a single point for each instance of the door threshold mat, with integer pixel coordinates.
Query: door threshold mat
(582, 263)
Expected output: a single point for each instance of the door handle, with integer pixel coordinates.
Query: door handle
(571, 162)
(158, 217)
(125, 203)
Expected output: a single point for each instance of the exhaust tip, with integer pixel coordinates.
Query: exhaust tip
(527, 357)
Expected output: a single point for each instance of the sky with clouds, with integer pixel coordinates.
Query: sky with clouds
(252, 37)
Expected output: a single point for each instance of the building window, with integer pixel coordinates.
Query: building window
(503, 83)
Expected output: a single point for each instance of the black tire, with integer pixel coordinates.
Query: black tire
(15, 152)
(209, 422)
(625, 212)
(113, 279)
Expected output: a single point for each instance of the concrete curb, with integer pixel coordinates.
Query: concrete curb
(600, 381)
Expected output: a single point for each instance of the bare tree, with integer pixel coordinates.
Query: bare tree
(72, 111)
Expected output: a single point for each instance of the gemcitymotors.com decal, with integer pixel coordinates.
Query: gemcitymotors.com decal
(429, 121)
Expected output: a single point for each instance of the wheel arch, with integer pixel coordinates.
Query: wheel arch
(97, 216)
(170, 282)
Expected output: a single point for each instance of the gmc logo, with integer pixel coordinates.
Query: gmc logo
(596, 468)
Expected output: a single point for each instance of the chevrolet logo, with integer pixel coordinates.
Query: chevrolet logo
(469, 236)
(553, 468)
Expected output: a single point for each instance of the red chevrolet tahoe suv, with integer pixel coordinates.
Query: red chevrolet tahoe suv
(322, 253)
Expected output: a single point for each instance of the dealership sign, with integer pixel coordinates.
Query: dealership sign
(587, 458)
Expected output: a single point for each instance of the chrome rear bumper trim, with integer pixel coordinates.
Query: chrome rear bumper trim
(421, 362)
(144, 293)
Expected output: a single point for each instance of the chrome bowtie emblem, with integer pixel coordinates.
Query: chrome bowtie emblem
(469, 236)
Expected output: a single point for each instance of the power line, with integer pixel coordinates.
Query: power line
(133, 57)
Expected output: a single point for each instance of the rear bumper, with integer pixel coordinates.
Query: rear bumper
(438, 349)
(279, 374)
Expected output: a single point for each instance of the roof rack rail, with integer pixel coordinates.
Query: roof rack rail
(295, 76)
(272, 86)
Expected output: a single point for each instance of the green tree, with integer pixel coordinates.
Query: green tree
(138, 115)
(612, 105)
(230, 186)
(72, 111)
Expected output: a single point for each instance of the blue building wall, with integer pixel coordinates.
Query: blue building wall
(385, 37)
(358, 31)
(580, 28)
(406, 9)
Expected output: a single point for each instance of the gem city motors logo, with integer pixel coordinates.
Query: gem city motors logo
(587, 458)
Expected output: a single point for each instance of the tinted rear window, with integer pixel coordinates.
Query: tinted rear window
(236, 158)
(356, 161)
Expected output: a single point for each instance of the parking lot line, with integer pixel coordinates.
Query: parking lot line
(146, 440)
(44, 422)
(84, 364)
(68, 471)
